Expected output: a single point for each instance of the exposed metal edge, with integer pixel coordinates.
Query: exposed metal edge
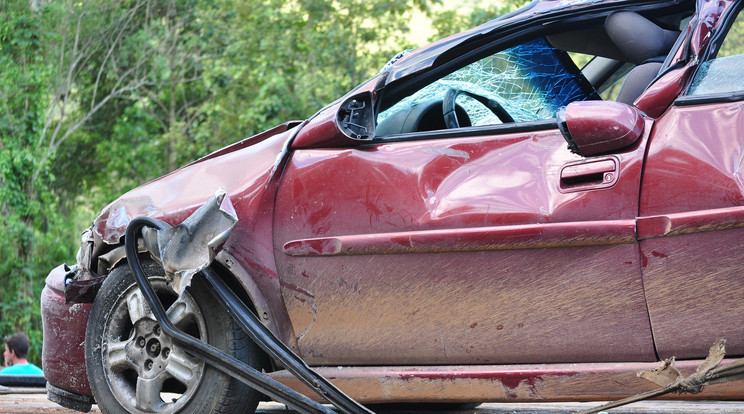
(211, 355)
(515, 237)
(676, 224)
(503, 383)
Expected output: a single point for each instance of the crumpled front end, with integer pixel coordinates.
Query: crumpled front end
(63, 353)
(243, 170)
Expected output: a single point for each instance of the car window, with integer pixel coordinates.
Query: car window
(610, 88)
(725, 73)
(529, 81)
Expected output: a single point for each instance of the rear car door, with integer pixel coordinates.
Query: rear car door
(692, 202)
(485, 243)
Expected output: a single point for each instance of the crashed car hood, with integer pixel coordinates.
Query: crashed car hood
(242, 169)
(436, 53)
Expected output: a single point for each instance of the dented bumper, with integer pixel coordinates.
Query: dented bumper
(63, 354)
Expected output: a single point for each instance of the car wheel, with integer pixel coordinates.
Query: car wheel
(134, 368)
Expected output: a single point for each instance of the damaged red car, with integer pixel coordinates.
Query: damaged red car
(534, 209)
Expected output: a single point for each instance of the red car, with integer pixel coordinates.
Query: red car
(483, 220)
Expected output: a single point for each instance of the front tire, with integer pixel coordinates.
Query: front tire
(133, 367)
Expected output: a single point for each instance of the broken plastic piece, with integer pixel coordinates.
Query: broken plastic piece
(189, 247)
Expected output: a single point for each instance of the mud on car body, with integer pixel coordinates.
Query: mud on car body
(481, 221)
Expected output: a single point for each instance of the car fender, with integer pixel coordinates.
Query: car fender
(247, 172)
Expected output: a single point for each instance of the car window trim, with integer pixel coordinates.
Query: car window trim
(689, 100)
(473, 131)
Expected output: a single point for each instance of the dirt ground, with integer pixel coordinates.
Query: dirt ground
(33, 400)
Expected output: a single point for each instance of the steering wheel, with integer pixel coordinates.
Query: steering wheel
(448, 107)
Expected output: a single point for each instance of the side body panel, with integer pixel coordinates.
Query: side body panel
(692, 209)
(461, 251)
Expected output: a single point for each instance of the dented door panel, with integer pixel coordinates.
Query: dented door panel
(467, 245)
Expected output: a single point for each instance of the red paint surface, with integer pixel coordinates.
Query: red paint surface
(63, 353)
(598, 127)
(530, 236)
(691, 214)
(657, 98)
(413, 227)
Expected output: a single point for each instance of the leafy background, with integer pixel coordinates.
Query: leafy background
(98, 96)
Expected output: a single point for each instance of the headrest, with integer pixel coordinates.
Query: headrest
(638, 38)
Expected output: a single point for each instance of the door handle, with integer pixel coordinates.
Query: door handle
(589, 175)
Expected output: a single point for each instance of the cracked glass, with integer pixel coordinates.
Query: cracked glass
(530, 81)
(725, 73)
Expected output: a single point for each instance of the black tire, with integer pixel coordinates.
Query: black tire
(134, 368)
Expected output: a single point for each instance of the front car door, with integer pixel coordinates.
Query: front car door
(489, 242)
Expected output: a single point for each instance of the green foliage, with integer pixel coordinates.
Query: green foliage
(273, 60)
(25, 202)
(451, 21)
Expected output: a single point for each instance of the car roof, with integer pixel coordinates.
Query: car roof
(425, 57)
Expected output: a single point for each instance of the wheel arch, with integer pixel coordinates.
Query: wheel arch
(261, 294)
(263, 297)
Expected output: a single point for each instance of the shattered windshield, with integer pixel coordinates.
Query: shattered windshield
(530, 81)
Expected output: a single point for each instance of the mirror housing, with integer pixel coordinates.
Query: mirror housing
(599, 127)
(356, 117)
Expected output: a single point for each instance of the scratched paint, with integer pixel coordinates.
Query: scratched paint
(503, 383)
(400, 224)
(692, 242)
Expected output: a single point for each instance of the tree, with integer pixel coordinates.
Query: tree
(24, 203)
(451, 21)
(135, 97)
(72, 74)
(274, 60)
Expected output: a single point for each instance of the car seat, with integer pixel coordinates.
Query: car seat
(644, 44)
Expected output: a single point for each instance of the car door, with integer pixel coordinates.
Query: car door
(486, 243)
(692, 202)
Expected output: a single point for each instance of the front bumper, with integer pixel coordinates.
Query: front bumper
(63, 352)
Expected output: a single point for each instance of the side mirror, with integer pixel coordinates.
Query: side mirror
(356, 117)
(598, 127)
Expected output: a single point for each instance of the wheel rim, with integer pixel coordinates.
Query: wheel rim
(145, 370)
